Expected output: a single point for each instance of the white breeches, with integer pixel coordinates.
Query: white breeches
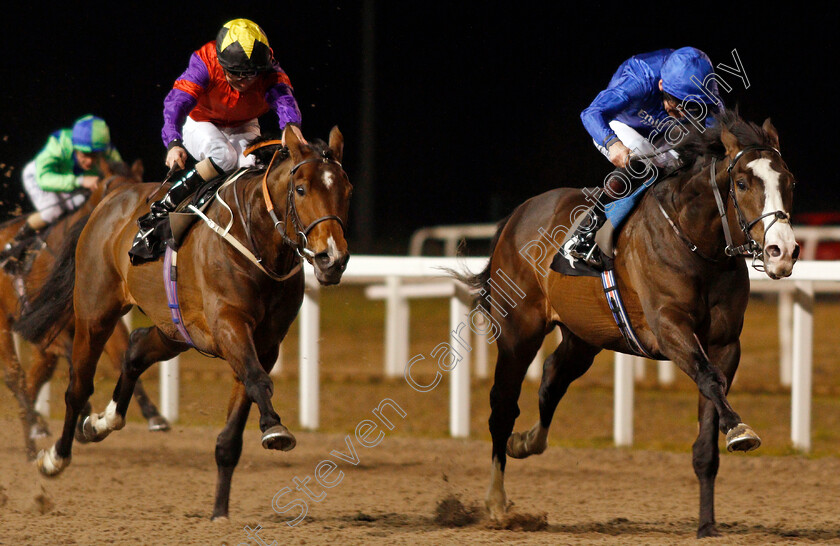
(223, 145)
(640, 145)
(51, 204)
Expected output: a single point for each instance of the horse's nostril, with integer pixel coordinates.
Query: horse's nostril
(773, 251)
(795, 254)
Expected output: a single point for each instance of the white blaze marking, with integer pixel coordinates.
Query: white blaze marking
(332, 248)
(783, 236)
(328, 179)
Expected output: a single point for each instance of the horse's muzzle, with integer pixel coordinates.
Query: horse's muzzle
(329, 267)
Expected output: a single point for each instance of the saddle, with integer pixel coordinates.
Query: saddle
(182, 219)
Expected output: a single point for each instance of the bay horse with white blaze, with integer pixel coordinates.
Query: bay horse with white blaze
(14, 292)
(684, 285)
(238, 298)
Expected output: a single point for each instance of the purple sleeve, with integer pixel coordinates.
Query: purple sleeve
(183, 98)
(284, 104)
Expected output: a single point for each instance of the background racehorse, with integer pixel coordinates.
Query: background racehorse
(233, 307)
(686, 305)
(26, 385)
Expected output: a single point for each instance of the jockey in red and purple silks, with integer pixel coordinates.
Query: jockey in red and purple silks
(212, 113)
(227, 96)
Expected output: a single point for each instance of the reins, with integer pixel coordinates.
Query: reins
(749, 249)
(291, 219)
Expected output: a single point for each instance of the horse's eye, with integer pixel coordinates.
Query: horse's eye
(741, 185)
(300, 190)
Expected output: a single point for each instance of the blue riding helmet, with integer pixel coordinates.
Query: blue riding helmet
(91, 134)
(678, 69)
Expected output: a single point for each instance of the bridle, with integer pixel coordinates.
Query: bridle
(292, 219)
(751, 248)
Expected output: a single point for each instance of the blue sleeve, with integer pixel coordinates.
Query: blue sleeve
(608, 104)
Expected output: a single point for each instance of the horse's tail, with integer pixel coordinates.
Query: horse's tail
(481, 281)
(52, 307)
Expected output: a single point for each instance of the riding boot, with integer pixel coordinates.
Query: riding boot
(581, 244)
(149, 239)
(14, 249)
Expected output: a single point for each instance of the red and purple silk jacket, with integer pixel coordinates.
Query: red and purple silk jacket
(202, 92)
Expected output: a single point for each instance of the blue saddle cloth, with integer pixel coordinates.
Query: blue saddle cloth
(618, 211)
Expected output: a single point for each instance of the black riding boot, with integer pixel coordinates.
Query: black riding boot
(12, 253)
(149, 240)
(581, 245)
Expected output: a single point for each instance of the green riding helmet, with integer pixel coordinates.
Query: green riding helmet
(91, 134)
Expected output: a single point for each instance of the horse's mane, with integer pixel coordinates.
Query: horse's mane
(698, 144)
(263, 155)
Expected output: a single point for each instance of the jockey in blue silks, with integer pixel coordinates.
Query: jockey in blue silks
(642, 113)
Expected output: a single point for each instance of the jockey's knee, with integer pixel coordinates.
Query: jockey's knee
(225, 158)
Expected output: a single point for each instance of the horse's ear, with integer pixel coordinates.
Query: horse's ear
(730, 142)
(137, 170)
(291, 138)
(337, 143)
(771, 132)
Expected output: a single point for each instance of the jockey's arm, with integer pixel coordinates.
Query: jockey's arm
(281, 99)
(181, 100)
(53, 172)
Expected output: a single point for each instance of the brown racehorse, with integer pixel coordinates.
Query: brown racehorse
(14, 289)
(232, 307)
(685, 303)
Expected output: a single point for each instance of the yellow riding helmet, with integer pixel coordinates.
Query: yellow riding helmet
(242, 47)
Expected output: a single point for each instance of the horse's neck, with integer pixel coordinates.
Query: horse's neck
(260, 236)
(692, 200)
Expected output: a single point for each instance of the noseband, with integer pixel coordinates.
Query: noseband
(301, 245)
(751, 248)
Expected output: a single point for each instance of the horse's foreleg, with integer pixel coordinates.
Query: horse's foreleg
(41, 369)
(705, 453)
(571, 359)
(87, 347)
(678, 342)
(515, 355)
(229, 447)
(115, 348)
(236, 343)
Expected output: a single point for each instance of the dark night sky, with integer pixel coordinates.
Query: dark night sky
(477, 104)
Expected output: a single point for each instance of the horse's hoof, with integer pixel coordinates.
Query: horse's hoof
(158, 423)
(496, 507)
(39, 430)
(742, 438)
(50, 464)
(707, 531)
(85, 433)
(278, 437)
(516, 446)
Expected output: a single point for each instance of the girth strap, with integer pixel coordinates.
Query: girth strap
(619, 312)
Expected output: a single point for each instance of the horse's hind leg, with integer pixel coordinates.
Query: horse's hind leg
(705, 452)
(570, 360)
(146, 346)
(115, 349)
(518, 345)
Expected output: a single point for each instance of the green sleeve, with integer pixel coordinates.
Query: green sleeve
(54, 168)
